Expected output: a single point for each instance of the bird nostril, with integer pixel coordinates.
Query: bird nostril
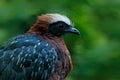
(75, 30)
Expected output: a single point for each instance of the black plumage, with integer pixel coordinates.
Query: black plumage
(27, 57)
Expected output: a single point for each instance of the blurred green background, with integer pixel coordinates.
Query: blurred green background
(95, 53)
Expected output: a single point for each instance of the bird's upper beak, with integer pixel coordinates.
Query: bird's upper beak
(73, 30)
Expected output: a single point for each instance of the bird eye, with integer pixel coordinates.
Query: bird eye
(61, 26)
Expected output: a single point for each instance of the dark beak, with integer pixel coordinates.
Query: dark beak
(73, 30)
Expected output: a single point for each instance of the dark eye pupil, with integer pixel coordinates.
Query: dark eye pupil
(60, 26)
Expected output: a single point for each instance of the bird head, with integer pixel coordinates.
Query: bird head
(55, 24)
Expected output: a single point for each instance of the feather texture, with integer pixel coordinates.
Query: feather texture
(27, 57)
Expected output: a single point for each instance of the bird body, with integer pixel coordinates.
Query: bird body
(39, 54)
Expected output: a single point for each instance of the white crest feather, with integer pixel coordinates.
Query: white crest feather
(58, 17)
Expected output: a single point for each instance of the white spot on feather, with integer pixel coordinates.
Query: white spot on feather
(20, 65)
(34, 51)
(27, 40)
(13, 59)
(46, 44)
(23, 47)
(32, 74)
(35, 74)
(29, 54)
(14, 50)
(26, 55)
(38, 41)
(18, 60)
(11, 56)
(24, 60)
(39, 44)
(28, 49)
(21, 53)
(47, 60)
(14, 42)
(36, 60)
(39, 69)
(52, 50)
(39, 55)
(49, 65)
(35, 46)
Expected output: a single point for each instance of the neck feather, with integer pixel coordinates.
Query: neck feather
(39, 28)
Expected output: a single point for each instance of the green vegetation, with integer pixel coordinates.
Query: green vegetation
(95, 53)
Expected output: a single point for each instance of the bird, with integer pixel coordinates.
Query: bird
(40, 53)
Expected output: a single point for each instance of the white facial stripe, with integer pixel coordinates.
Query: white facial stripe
(58, 17)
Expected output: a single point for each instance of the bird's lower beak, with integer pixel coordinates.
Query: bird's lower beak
(73, 30)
